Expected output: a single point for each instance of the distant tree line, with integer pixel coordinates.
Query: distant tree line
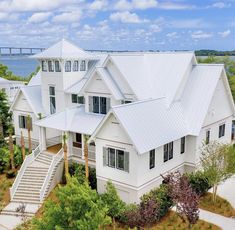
(214, 53)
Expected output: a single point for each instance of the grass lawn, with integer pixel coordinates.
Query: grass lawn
(221, 206)
(5, 184)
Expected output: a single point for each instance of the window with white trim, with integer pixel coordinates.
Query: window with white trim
(208, 133)
(221, 130)
(182, 145)
(168, 151)
(44, 66)
(52, 99)
(57, 66)
(67, 67)
(24, 122)
(83, 65)
(116, 158)
(50, 66)
(75, 66)
(151, 158)
(77, 99)
(99, 104)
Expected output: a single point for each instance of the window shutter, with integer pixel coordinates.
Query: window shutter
(108, 104)
(105, 156)
(90, 103)
(126, 161)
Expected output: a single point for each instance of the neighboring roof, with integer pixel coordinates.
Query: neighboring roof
(74, 119)
(4, 81)
(33, 97)
(36, 79)
(64, 49)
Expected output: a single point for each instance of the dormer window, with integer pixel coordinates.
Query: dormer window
(83, 65)
(57, 66)
(50, 66)
(99, 104)
(75, 66)
(44, 66)
(68, 66)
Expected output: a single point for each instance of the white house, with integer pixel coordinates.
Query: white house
(10, 88)
(147, 113)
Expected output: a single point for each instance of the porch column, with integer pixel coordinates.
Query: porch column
(83, 146)
(70, 143)
(42, 138)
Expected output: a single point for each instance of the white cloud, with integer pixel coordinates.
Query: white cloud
(8, 17)
(65, 17)
(219, 5)
(225, 33)
(201, 35)
(98, 5)
(189, 23)
(154, 28)
(126, 17)
(135, 4)
(175, 6)
(39, 17)
(172, 35)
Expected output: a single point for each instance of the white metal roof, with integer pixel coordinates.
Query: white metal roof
(64, 50)
(4, 81)
(73, 119)
(36, 79)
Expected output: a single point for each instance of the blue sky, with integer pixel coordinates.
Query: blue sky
(120, 24)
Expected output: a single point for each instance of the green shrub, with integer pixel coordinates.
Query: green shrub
(10, 174)
(4, 160)
(199, 182)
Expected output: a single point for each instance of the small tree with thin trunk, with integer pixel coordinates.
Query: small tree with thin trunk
(11, 148)
(22, 145)
(66, 163)
(86, 155)
(218, 163)
(29, 124)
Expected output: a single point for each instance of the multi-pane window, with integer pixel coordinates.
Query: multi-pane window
(152, 158)
(208, 132)
(67, 66)
(50, 66)
(168, 151)
(24, 122)
(52, 99)
(221, 130)
(44, 66)
(57, 66)
(99, 104)
(75, 66)
(83, 65)
(182, 145)
(116, 158)
(77, 99)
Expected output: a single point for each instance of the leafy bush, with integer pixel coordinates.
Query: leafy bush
(131, 216)
(10, 174)
(4, 159)
(115, 205)
(199, 182)
(79, 171)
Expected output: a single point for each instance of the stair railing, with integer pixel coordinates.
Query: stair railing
(28, 159)
(56, 158)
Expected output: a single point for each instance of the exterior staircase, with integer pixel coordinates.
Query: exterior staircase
(33, 182)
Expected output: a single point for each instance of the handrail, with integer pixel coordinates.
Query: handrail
(23, 167)
(56, 158)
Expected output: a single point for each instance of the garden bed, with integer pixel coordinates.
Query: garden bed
(5, 184)
(221, 206)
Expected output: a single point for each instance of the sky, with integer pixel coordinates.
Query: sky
(120, 24)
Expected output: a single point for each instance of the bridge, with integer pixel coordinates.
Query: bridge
(19, 51)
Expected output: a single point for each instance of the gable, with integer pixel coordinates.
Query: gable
(220, 105)
(21, 104)
(113, 131)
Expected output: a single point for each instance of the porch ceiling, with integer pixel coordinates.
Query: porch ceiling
(73, 119)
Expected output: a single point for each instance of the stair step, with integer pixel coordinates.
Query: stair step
(36, 168)
(43, 161)
(34, 192)
(14, 213)
(33, 177)
(26, 201)
(25, 189)
(27, 198)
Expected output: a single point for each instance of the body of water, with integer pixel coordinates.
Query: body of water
(20, 66)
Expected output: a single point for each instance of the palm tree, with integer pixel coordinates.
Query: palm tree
(22, 145)
(29, 133)
(85, 139)
(11, 148)
(66, 163)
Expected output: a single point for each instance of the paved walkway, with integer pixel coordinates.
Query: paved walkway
(9, 222)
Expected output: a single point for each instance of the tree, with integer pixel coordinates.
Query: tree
(22, 145)
(184, 197)
(218, 163)
(11, 148)
(29, 126)
(77, 206)
(85, 137)
(66, 163)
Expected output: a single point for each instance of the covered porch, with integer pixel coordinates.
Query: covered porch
(76, 125)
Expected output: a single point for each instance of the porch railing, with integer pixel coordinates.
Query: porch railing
(28, 160)
(56, 159)
(91, 152)
(53, 141)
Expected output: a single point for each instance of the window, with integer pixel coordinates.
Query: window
(208, 137)
(168, 151)
(78, 140)
(52, 99)
(83, 65)
(116, 158)
(99, 104)
(23, 122)
(50, 66)
(68, 66)
(182, 145)
(221, 130)
(152, 158)
(57, 66)
(75, 66)
(81, 100)
(44, 66)
(74, 98)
